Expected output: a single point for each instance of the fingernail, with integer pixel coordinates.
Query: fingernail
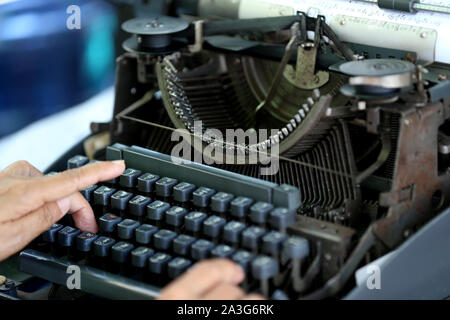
(119, 162)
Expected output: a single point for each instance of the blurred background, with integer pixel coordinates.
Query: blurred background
(54, 81)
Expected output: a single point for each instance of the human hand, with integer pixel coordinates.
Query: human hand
(215, 279)
(31, 202)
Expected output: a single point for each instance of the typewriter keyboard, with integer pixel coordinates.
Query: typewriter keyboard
(153, 227)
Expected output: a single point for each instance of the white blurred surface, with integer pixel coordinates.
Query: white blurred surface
(42, 142)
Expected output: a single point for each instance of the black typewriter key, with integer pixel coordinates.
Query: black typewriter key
(138, 205)
(67, 235)
(182, 192)
(145, 183)
(119, 200)
(263, 269)
(202, 196)
(107, 222)
(193, 221)
(85, 240)
(120, 252)
(260, 211)
(87, 193)
(50, 235)
(50, 238)
(158, 262)
(164, 186)
(177, 266)
(232, 231)
(243, 258)
(102, 246)
(296, 248)
(175, 216)
(272, 241)
(182, 243)
(220, 201)
(102, 195)
(77, 161)
(126, 228)
(162, 240)
(156, 209)
(239, 207)
(251, 237)
(140, 255)
(128, 178)
(212, 226)
(281, 218)
(222, 251)
(201, 249)
(144, 233)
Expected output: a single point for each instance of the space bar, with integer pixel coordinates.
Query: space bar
(93, 281)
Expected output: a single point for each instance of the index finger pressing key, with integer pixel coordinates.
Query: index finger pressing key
(53, 188)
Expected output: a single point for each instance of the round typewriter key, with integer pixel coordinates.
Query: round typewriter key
(140, 255)
(144, 233)
(120, 251)
(128, 178)
(157, 263)
(272, 241)
(193, 221)
(162, 240)
(182, 243)
(102, 246)
(220, 201)
(138, 205)
(296, 248)
(85, 240)
(175, 216)
(213, 225)
(51, 234)
(201, 249)
(66, 236)
(164, 186)
(222, 251)
(232, 231)
(202, 196)
(177, 266)
(77, 161)
(125, 228)
(251, 237)
(146, 182)
(156, 209)
(243, 258)
(108, 222)
(182, 192)
(240, 206)
(260, 211)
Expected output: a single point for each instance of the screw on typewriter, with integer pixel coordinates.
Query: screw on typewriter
(378, 81)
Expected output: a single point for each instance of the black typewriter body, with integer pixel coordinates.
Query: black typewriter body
(363, 168)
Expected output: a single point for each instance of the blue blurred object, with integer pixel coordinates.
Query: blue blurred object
(44, 66)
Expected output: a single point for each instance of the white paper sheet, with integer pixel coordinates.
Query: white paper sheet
(330, 8)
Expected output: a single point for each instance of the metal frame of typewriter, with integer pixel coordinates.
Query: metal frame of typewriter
(407, 221)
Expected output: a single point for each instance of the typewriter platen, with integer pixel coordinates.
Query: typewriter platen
(363, 138)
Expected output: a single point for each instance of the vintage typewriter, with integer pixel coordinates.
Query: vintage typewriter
(357, 108)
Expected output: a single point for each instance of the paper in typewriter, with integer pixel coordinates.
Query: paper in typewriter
(427, 33)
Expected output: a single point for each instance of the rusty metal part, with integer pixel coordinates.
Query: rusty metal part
(417, 191)
(336, 241)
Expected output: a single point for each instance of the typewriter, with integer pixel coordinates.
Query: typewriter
(352, 201)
